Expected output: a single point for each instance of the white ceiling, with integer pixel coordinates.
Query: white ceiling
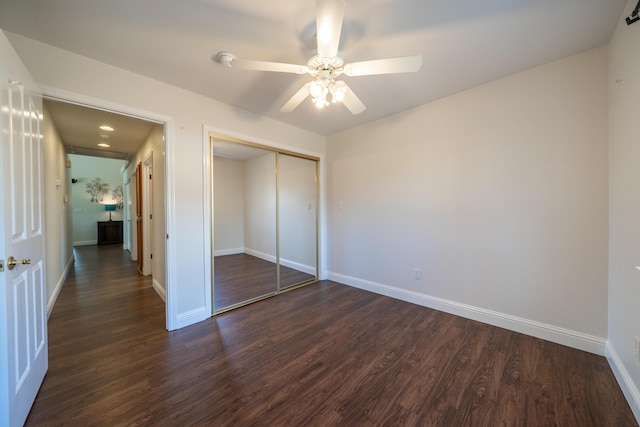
(79, 130)
(463, 43)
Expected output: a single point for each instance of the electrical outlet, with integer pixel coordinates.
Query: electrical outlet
(636, 348)
(417, 273)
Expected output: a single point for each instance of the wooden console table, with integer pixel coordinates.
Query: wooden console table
(109, 232)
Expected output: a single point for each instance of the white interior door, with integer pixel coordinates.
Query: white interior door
(23, 320)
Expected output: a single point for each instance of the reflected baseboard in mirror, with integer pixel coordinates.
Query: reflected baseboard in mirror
(290, 277)
(242, 277)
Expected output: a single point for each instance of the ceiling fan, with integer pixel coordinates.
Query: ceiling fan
(328, 64)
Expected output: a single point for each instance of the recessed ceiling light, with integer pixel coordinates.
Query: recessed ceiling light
(104, 135)
(107, 128)
(102, 144)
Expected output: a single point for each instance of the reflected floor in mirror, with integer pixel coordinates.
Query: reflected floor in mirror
(241, 277)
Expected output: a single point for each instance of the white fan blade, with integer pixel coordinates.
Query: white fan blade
(278, 67)
(329, 16)
(352, 102)
(296, 99)
(404, 64)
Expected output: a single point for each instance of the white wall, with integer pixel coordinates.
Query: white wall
(624, 242)
(154, 146)
(59, 241)
(84, 213)
(297, 197)
(260, 206)
(228, 188)
(187, 114)
(499, 195)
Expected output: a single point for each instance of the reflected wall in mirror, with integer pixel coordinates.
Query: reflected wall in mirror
(244, 238)
(297, 216)
(265, 205)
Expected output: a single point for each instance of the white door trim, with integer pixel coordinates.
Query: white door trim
(169, 184)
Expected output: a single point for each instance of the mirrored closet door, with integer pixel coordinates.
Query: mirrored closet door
(297, 219)
(264, 234)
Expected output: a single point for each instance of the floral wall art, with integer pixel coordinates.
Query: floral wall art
(97, 190)
(118, 196)
(96, 182)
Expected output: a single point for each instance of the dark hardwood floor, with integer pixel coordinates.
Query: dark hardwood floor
(322, 355)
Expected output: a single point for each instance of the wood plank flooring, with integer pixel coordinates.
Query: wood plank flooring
(322, 355)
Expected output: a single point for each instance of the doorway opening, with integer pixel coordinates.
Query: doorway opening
(99, 136)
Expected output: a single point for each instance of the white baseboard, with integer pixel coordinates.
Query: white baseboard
(233, 251)
(160, 290)
(570, 338)
(85, 243)
(629, 388)
(56, 291)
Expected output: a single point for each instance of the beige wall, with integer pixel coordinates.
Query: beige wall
(260, 206)
(498, 194)
(228, 190)
(59, 244)
(624, 243)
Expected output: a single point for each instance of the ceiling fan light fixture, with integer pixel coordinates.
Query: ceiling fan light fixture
(338, 91)
(320, 102)
(317, 89)
(327, 65)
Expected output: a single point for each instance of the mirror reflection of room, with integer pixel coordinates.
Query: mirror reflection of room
(265, 223)
(297, 219)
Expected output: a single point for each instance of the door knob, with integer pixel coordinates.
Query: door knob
(12, 262)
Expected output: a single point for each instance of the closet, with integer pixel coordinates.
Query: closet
(265, 221)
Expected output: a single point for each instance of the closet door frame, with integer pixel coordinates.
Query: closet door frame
(278, 151)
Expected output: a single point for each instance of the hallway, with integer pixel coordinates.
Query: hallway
(105, 317)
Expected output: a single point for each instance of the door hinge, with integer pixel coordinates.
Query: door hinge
(149, 176)
(150, 216)
(151, 256)
(1, 265)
